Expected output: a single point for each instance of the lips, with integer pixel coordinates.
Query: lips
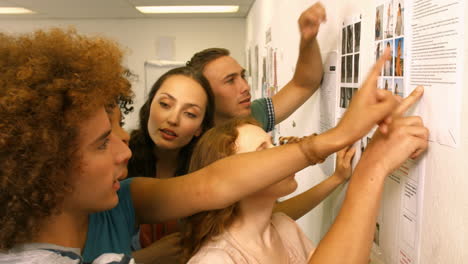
(168, 134)
(116, 185)
(246, 100)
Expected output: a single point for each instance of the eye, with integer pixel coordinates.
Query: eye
(230, 81)
(104, 145)
(163, 104)
(243, 75)
(191, 115)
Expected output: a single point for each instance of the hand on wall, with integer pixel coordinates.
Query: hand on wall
(310, 20)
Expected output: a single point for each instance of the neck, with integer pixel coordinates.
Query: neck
(220, 119)
(67, 229)
(253, 225)
(167, 162)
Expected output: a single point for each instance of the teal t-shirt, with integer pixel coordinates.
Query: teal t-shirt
(112, 231)
(263, 112)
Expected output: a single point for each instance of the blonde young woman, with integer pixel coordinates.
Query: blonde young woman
(249, 232)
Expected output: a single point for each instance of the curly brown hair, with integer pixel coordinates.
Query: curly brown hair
(215, 144)
(50, 81)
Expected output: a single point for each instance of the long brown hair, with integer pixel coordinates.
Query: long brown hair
(215, 144)
(143, 161)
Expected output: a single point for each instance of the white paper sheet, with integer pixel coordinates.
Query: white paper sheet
(435, 51)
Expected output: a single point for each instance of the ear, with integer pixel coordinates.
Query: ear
(198, 132)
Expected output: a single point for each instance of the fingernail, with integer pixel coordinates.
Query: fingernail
(419, 89)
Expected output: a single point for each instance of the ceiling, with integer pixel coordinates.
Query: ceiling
(107, 9)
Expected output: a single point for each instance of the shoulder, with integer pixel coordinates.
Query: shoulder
(38, 256)
(280, 219)
(286, 226)
(291, 233)
(263, 111)
(113, 258)
(211, 255)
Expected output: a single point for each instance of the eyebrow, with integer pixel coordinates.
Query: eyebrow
(234, 74)
(102, 136)
(187, 104)
(170, 96)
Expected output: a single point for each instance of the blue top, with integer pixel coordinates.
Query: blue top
(112, 231)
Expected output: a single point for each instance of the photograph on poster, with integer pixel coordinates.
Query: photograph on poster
(378, 50)
(343, 69)
(255, 71)
(378, 22)
(399, 87)
(349, 39)
(357, 36)
(263, 79)
(349, 68)
(388, 66)
(398, 56)
(349, 96)
(356, 68)
(249, 63)
(342, 98)
(388, 18)
(388, 84)
(343, 41)
(380, 83)
(399, 21)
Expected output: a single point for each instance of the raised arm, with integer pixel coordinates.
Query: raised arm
(309, 70)
(349, 239)
(301, 204)
(230, 179)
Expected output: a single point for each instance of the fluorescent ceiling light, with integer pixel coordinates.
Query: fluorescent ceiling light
(15, 10)
(187, 9)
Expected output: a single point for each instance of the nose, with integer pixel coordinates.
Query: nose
(173, 117)
(244, 86)
(122, 152)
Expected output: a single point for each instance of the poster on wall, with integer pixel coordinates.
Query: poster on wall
(435, 49)
(255, 71)
(349, 80)
(328, 103)
(393, 219)
(350, 69)
(426, 49)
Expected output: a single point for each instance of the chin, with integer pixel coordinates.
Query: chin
(105, 206)
(112, 205)
(287, 187)
(111, 202)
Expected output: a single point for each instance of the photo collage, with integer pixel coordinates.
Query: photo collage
(350, 51)
(389, 33)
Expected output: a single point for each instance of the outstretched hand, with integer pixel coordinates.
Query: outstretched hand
(406, 137)
(344, 168)
(370, 106)
(310, 20)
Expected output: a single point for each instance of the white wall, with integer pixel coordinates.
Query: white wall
(445, 209)
(139, 38)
